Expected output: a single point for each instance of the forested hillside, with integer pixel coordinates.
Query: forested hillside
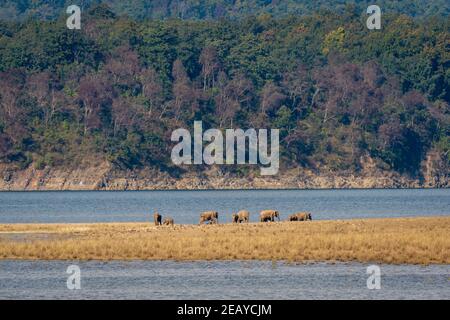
(214, 9)
(115, 90)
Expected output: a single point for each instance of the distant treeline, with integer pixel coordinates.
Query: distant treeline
(116, 89)
(216, 9)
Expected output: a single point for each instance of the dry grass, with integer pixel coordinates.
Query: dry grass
(406, 240)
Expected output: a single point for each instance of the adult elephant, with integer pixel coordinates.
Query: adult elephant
(301, 216)
(240, 217)
(269, 215)
(157, 219)
(211, 216)
(243, 216)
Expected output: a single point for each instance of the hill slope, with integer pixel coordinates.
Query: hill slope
(214, 9)
(343, 96)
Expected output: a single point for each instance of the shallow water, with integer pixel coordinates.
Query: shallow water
(185, 206)
(219, 280)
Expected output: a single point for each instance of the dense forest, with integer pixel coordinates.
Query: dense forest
(116, 89)
(215, 9)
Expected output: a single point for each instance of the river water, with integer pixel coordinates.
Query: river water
(185, 206)
(218, 280)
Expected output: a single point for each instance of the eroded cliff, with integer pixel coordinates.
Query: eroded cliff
(103, 176)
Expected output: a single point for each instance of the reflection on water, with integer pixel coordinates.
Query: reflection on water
(185, 206)
(219, 280)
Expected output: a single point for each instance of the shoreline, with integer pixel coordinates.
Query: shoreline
(275, 263)
(414, 240)
(105, 177)
(225, 189)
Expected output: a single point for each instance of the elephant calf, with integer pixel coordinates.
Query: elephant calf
(157, 219)
(211, 216)
(300, 216)
(168, 221)
(269, 215)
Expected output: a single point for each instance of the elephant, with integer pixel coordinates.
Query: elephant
(241, 216)
(300, 216)
(168, 221)
(157, 218)
(269, 215)
(211, 216)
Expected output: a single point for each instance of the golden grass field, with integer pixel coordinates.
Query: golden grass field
(393, 240)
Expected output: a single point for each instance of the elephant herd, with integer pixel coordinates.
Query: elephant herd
(212, 217)
(269, 216)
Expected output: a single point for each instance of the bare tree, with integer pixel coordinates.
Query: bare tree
(373, 75)
(272, 97)
(123, 66)
(123, 114)
(152, 90)
(185, 102)
(210, 66)
(95, 94)
(297, 84)
(233, 94)
(49, 98)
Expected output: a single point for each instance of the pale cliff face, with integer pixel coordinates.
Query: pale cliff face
(103, 177)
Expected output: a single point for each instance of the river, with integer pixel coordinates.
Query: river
(218, 279)
(185, 206)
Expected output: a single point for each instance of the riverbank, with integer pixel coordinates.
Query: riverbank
(104, 177)
(393, 241)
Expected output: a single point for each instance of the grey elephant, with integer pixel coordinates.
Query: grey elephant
(269, 215)
(243, 216)
(157, 218)
(211, 216)
(168, 221)
(300, 216)
(240, 217)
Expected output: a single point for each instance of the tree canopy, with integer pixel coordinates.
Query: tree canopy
(217, 9)
(116, 89)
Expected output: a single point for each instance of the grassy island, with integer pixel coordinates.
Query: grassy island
(392, 240)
